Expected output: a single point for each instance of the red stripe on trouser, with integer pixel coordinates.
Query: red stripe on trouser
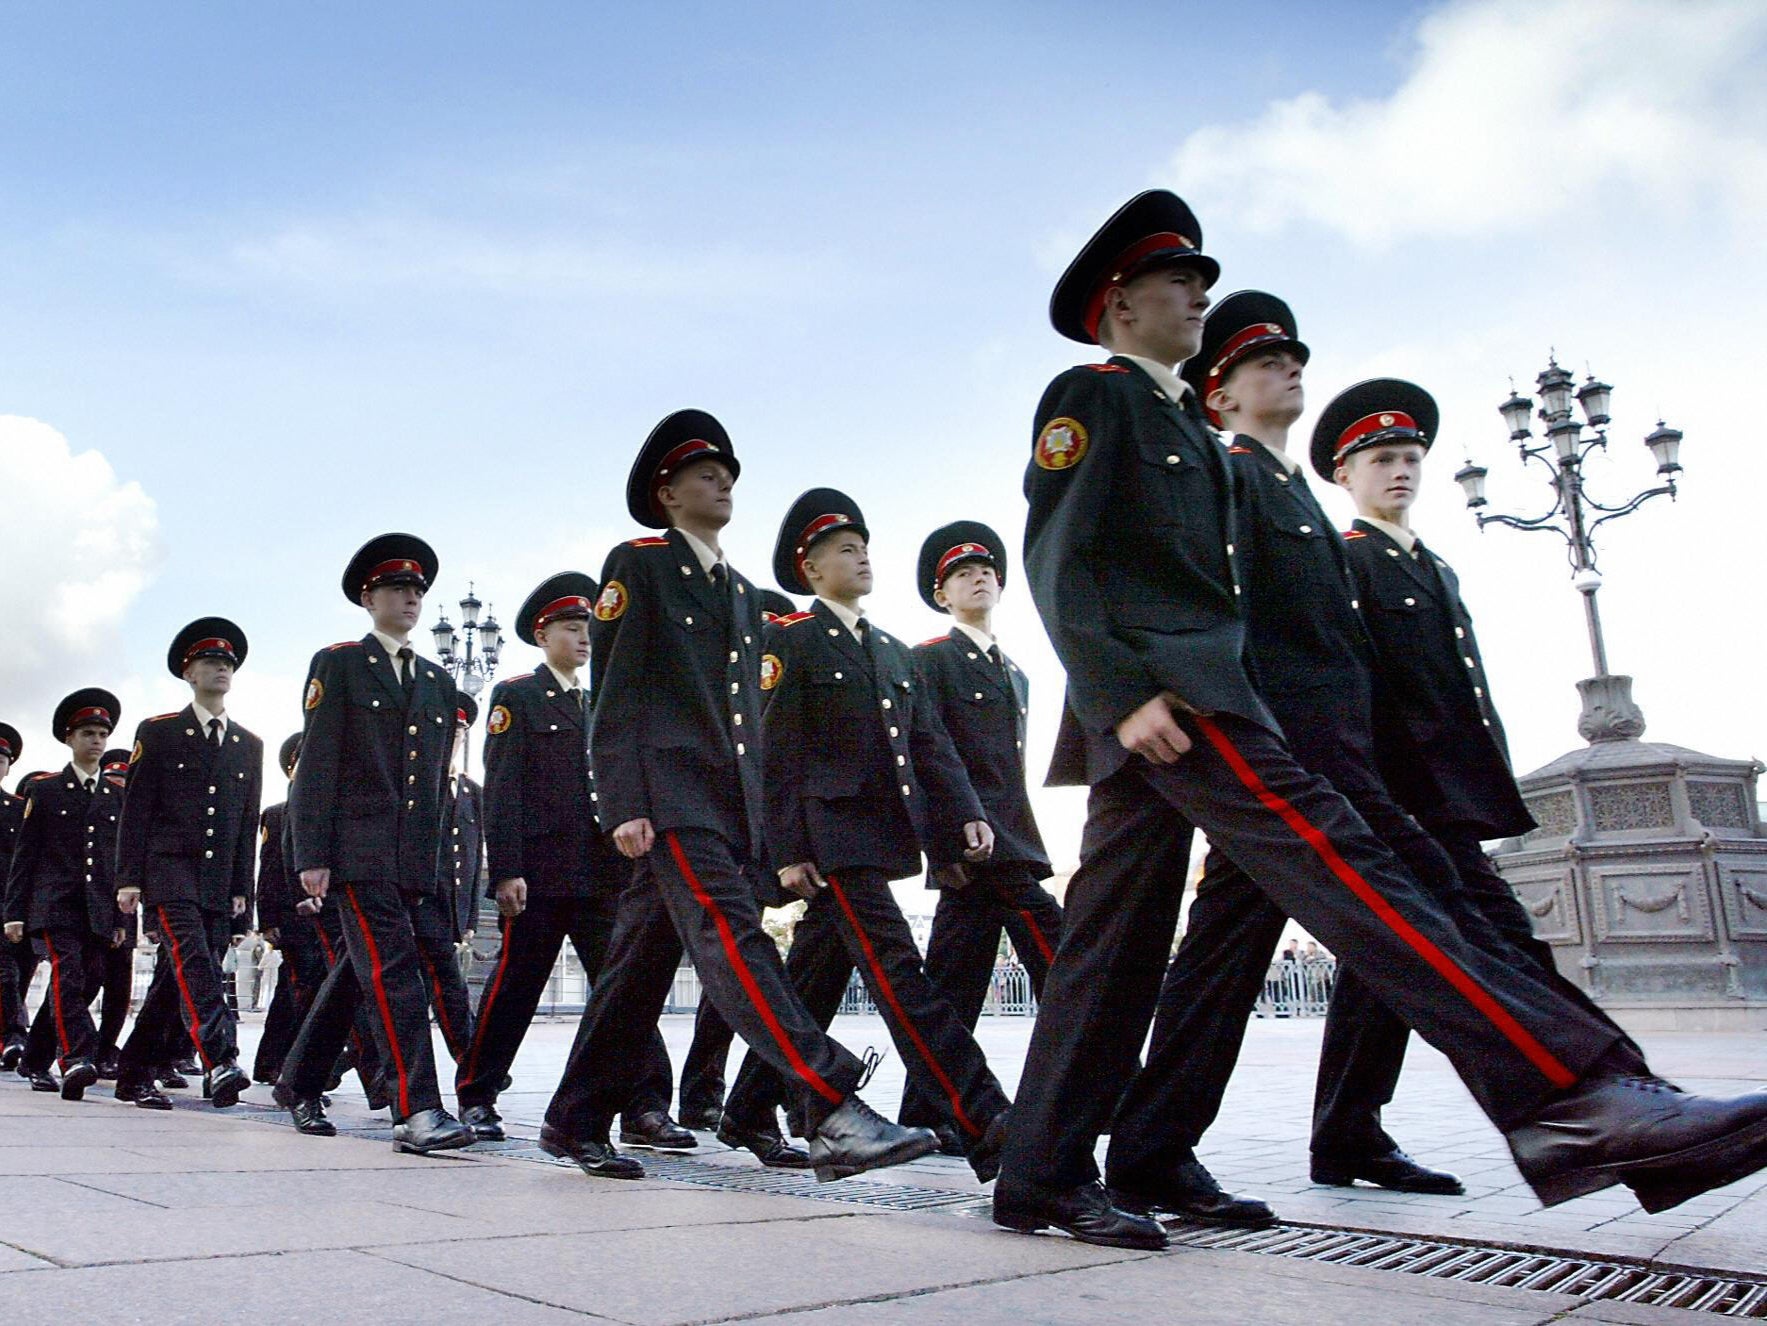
(325, 946)
(55, 995)
(470, 1066)
(195, 1022)
(750, 986)
(889, 993)
(1450, 971)
(380, 997)
(1037, 934)
(435, 983)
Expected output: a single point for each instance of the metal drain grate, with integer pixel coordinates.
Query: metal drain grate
(1481, 1264)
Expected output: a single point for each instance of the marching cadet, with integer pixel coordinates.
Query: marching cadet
(1130, 553)
(286, 929)
(676, 674)
(436, 917)
(464, 842)
(184, 851)
(115, 975)
(982, 699)
(553, 874)
(1440, 742)
(366, 813)
(59, 889)
(17, 965)
(861, 779)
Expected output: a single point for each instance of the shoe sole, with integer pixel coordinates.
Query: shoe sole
(153, 1104)
(900, 1154)
(673, 1148)
(227, 1097)
(330, 1130)
(1035, 1224)
(1734, 1156)
(73, 1085)
(1426, 1190)
(554, 1149)
(489, 1134)
(451, 1144)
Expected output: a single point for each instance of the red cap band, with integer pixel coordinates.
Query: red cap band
(575, 604)
(1372, 423)
(1238, 346)
(6, 748)
(1124, 268)
(85, 716)
(680, 455)
(460, 716)
(816, 528)
(213, 645)
(398, 566)
(958, 554)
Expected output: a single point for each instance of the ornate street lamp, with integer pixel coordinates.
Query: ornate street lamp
(470, 651)
(1608, 711)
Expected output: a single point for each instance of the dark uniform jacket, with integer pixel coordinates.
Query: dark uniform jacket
(12, 814)
(675, 670)
(1129, 554)
(1306, 647)
(1441, 743)
(190, 813)
(367, 802)
(462, 855)
(540, 795)
(63, 864)
(279, 888)
(860, 772)
(983, 705)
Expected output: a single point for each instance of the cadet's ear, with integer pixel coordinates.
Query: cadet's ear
(940, 599)
(1341, 475)
(1220, 402)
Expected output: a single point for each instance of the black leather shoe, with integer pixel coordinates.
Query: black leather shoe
(1084, 1212)
(855, 1138)
(76, 1077)
(704, 1118)
(431, 1130)
(1192, 1193)
(10, 1056)
(1394, 1170)
(950, 1140)
(1665, 1144)
(984, 1156)
(145, 1095)
(222, 1087)
(107, 1066)
(485, 1122)
(596, 1158)
(170, 1079)
(187, 1065)
(44, 1080)
(768, 1146)
(309, 1118)
(656, 1130)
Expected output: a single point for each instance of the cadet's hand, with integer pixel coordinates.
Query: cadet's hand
(309, 907)
(273, 936)
(467, 938)
(117, 937)
(15, 932)
(802, 879)
(316, 881)
(512, 896)
(635, 838)
(978, 838)
(127, 899)
(953, 877)
(239, 906)
(1152, 733)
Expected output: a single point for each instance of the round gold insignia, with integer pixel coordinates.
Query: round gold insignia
(499, 721)
(771, 671)
(611, 605)
(1386, 421)
(1062, 444)
(135, 755)
(315, 693)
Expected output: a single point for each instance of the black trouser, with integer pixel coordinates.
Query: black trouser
(965, 944)
(434, 927)
(63, 1026)
(938, 1051)
(383, 972)
(690, 890)
(708, 1055)
(117, 981)
(531, 945)
(1514, 1041)
(18, 965)
(281, 1020)
(185, 992)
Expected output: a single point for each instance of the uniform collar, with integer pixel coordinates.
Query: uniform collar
(708, 555)
(983, 640)
(1282, 458)
(1397, 533)
(204, 715)
(566, 686)
(848, 618)
(391, 645)
(1163, 377)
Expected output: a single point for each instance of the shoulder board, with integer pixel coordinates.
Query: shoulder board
(53, 773)
(1105, 368)
(343, 644)
(648, 542)
(793, 618)
(1239, 451)
(160, 718)
(1355, 534)
(522, 676)
(936, 640)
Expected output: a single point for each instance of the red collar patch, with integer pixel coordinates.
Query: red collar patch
(793, 618)
(649, 541)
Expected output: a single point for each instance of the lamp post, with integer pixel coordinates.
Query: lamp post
(1608, 711)
(469, 653)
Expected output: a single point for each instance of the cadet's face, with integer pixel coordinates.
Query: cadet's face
(566, 642)
(839, 566)
(1383, 478)
(1264, 386)
(971, 587)
(1163, 313)
(5, 766)
(700, 494)
(88, 743)
(395, 608)
(210, 674)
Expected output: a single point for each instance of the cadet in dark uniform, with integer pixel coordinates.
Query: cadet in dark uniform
(464, 816)
(59, 889)
(982, 698)
(861, 778)
(675, 743)
(1129, 551)
(17, 965)
(366, 812)
(115, 975)
(303, 967)
(436, 917)
(185, 852)
(553, 874)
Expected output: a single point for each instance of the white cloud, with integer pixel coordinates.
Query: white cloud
(1512, 113)
(80, 545)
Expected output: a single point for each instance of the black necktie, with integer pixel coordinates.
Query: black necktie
(215, 733)
(91, 785)
(407, 670)
(577, 697)
(864, 629)
(719, 575)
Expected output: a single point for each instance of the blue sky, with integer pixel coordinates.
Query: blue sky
(305, 275)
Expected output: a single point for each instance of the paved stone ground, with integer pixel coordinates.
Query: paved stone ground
(116, 1214)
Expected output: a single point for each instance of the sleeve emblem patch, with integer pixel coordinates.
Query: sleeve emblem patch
(1062, 444)
(315, 693)
(771, 671)
(135, 755)
(499, 721)
(611, 605)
